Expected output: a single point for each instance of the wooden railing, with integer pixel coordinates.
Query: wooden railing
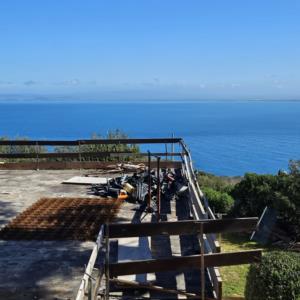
(201, 210)
(89, 284)
(199, 205)
(34, 154)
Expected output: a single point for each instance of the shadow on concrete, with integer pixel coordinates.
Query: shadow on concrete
(7, 212)
(41, 270)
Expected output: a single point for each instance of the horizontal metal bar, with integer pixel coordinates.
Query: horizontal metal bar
(120, 230)
(82, 154)
(60, 165)
(184, 262)
(88, 142)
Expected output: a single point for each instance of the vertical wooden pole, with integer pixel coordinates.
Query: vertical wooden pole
(80, 158)
(158, 189)
(107, 261)
(166, 148)
(37, 155)
(172, 149)
(149, 181)
(202, 263)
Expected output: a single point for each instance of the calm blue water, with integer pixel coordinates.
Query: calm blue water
(226, 138)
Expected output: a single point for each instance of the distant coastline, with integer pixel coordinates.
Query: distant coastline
(145, 101)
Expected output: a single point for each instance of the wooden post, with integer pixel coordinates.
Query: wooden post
(166, 148)
(80, 158)
(37, 155)
(107, 262)
(172, 149)
(158, 189)
(149, 182)
(202, 263)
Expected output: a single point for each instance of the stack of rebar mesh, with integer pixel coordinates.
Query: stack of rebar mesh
(62, 219)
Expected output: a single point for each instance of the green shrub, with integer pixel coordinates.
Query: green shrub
(281, 192)
(277, 277)
(221, 184)
(220, 202)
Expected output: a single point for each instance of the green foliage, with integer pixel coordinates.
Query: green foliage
(222, 184)
(281, 192)
(217, 191)
(16, 149)
(111, 135)
(277, 277)
(220, 202)
(253, 194)
(4, 149)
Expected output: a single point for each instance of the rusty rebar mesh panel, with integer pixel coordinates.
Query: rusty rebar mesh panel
(62, 219)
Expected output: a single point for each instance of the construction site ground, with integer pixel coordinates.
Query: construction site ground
(38, 269)
(53, 269)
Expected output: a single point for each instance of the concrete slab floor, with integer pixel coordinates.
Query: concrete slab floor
(21, 188)
(39, 269)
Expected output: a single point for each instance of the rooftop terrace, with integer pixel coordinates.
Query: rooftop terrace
(68, 265)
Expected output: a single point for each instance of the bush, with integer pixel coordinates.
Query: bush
(281, 192)
(221, 184)
(220, 202)
(276, 277)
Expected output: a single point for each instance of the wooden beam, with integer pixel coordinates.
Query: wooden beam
(120, 230)
(89, 142)
(184, 262)
(90, 266)
(99, 154)
(67, 165)
(138, 285)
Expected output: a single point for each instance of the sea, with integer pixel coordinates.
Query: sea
(227, 138)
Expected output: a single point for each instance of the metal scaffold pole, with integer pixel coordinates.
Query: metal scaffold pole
(149, 182)
(158, 189)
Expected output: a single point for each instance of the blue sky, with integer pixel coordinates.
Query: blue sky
(150, 49)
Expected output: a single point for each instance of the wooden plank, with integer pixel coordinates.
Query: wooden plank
(183, 263)
(89, 142)
(83, 288)
(147, 286)
(86, 180)
(68, 165)
(100, 154)
(119, 230)
(211, 244)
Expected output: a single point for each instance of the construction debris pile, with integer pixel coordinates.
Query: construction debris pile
(143, 186)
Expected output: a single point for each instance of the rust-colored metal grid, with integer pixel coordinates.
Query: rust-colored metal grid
(62, 219)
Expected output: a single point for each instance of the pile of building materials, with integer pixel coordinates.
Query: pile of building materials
(140, 187)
